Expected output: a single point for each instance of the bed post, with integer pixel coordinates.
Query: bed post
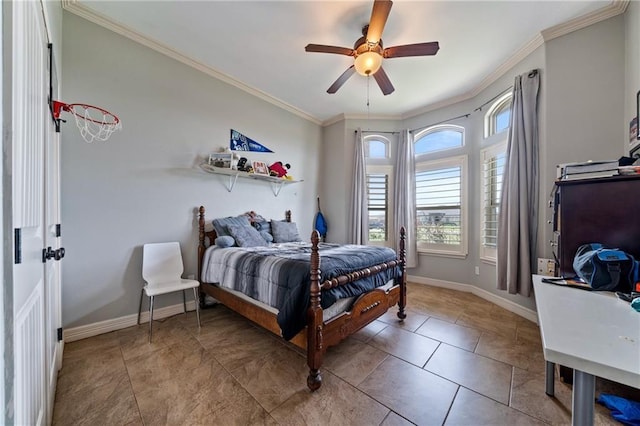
(314, 320)
(403, 280)
(201, 249)
(287, 216)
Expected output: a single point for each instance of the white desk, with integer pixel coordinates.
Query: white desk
(594, 333)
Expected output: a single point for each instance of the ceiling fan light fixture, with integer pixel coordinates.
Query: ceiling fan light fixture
(368, 63)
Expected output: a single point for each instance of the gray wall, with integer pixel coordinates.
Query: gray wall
(581, 102)
(585, 103)
(143, 185)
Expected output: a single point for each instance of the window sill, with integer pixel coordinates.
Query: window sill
(489, 260)
(449, 255)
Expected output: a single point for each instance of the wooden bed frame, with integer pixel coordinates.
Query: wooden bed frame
(318, 334)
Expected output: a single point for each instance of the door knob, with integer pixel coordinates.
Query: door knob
(49, 253)
(59, 254)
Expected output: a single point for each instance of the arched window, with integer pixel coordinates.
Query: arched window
(439, 138)
(493, 160)
(376, 146)
(379, 171)
(498, 117)
(441, 191)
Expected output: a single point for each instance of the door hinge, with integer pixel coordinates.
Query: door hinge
(58, 230)
(17, 241)
(60, 334)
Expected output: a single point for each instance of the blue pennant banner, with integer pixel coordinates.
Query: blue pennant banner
(240, 142)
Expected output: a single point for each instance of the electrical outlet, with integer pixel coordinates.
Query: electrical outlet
(546, 267)
(191, 277)
(477, 270)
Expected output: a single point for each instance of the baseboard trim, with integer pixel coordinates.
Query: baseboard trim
(90, 330)
(510, 306)
(107, 326)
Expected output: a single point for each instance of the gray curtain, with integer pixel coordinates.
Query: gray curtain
(518, 220)
(405, 196)
(358, 213)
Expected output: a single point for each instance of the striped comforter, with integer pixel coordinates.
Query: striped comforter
(279, 275)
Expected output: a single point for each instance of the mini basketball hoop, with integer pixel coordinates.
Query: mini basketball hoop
(92, 121)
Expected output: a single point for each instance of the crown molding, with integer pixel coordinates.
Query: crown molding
(359, 116)
(82, 11)
(616, 7)
(333, 120)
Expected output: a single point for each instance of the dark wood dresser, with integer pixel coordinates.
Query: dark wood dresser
(603, 210)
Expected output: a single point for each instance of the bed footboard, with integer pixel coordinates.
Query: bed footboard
(366, 308)
(318, 335)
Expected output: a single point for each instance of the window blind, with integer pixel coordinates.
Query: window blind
(493, 169)
(377, 195)
(438, 205)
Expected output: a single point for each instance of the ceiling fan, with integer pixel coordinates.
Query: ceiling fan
(368, 51)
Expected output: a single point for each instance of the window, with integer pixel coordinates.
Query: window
(376, 147)
(439, 138)
(498, 117)
(496, 121)
(493, 163)
(377, 206)
(441, 189)
(379, 171)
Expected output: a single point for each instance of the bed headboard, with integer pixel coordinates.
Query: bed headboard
(208, 237)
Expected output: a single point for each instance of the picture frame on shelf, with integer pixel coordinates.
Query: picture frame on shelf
(260, 168)
(221, 159)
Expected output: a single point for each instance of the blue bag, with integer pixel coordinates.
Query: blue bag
(606, 269)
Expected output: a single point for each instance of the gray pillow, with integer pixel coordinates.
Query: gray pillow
(284, 232)
(246, 236)
(225, 241)
(221, 224)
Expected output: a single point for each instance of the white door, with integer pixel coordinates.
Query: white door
(30, 293)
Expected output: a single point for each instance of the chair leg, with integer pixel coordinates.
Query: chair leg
(184, 302)
(150, 318)
(140, 306)
(195, 295)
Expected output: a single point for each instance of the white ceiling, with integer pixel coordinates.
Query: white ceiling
(259, 45)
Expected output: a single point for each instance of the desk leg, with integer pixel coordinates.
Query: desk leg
(582, 403)
(549, 376)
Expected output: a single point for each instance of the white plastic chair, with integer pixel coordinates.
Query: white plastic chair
(162, 270)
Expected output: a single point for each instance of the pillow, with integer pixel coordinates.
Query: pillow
(225, 241)
(267, 236)
(221, 224)
(246, 236)
(284, 232)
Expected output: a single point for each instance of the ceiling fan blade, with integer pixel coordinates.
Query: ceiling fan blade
(418, 49)
(321, 48)
(342, 79)
(379, 15)
(383, 81)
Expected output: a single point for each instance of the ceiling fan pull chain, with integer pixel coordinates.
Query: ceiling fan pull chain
(368, 85)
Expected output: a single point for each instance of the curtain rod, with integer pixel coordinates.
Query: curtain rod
(493, 99)
(439, 122)
(378, 131)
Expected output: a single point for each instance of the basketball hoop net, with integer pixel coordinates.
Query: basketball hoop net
(93, 122)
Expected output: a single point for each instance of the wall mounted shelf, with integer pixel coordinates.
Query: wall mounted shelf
(232, 176)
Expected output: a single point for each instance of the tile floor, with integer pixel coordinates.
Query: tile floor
(456, 360)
